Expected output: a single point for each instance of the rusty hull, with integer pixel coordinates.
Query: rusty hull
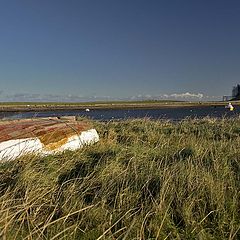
(52, 132)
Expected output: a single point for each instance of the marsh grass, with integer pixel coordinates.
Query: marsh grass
(144, 179)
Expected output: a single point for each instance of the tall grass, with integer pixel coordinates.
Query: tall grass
(145, 179)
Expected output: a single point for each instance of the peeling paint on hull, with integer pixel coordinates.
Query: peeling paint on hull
(46, 137)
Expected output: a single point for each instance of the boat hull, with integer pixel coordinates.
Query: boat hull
(44, 136)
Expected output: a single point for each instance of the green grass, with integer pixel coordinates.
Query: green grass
(144, 179)
(65, 104)
(94, 102)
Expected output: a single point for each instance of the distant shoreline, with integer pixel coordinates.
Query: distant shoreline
(29, 107)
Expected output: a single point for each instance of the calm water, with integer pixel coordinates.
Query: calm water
(105, 115)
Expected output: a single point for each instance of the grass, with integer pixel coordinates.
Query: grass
(46, 106)
(145, 179)
(89, 103)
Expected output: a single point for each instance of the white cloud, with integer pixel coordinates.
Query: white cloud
(187, 95)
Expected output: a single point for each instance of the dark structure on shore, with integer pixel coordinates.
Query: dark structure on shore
(235, 94)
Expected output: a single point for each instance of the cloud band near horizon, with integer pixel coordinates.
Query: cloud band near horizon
(26, 97)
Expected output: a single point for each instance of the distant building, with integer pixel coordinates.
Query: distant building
(235, 94)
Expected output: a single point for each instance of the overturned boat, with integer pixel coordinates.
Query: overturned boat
(44, 136)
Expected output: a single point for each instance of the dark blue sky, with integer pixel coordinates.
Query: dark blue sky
(68, 49)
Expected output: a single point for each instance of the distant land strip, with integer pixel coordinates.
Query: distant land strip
(52, 106)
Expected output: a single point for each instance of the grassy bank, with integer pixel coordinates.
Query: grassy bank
(53, 106)
(144, 180)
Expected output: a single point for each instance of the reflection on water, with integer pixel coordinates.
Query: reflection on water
(109, 114)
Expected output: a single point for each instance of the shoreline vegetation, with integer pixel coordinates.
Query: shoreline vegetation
(54, 106)
(144, 179)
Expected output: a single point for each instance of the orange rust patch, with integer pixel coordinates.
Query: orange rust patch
(55, 145)
(55, 139)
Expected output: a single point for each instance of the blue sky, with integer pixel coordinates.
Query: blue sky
(73, 50)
